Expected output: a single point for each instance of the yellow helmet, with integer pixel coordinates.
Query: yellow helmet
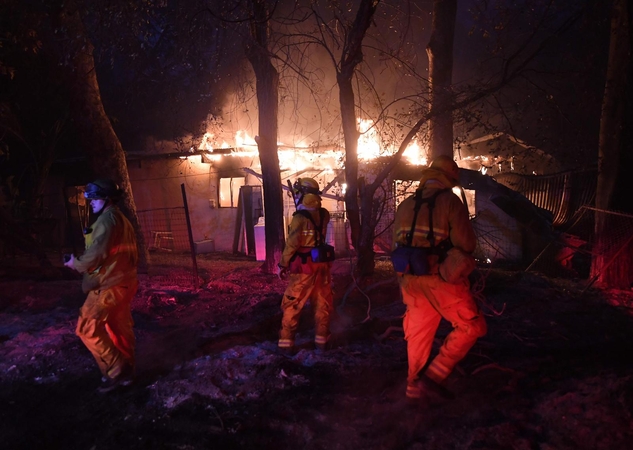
(447, 166)
(306, 185)
(306, 191)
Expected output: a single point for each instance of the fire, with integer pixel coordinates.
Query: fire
(302, 156)
(242, 139)
(414, 154)
(207, 141)
(368, 141)
(370, 144)
(293, 161)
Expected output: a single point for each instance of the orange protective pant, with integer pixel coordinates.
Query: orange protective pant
(105, 326)
(315, 286)
(428, 299)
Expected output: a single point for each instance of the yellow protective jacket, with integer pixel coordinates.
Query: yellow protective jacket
(111, 253)
(301, 234)
(450, 216)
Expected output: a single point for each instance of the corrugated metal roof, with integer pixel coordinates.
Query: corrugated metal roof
(562, 194)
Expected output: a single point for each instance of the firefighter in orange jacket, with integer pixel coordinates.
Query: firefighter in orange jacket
(108, 265)
(307, 279)
(429, 298)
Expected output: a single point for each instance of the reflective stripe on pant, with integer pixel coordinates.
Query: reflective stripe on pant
(428, 299)
(105, 326)
(315, 286)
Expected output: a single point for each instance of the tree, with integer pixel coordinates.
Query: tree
(165, 68)
(351, 56)
(64, 53)
(258, 54)
(440, 53)
(615, 149)
(92, 124)
(447, 100)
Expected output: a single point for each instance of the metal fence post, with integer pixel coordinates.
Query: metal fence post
(191, 244)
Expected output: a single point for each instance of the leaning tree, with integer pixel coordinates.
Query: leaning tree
(91, 123)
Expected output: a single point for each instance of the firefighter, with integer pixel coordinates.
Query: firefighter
(429, 297)
(108, 265)
(307, 279)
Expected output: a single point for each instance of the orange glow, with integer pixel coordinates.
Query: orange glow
(415, 155)
(301, 156)
(368, 141)
(370, 146)
(242, 139)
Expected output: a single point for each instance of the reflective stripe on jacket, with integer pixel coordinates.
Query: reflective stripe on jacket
(301, 233)
(450, 219)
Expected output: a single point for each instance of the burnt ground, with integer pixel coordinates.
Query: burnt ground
(554, 372)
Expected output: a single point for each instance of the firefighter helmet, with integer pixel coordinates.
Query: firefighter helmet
(306, 186)
(306, 191)
(103, 189)
(447, 166)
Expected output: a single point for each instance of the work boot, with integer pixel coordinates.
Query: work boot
(321, 342)
(123, 380)
(424, 385)
(287, 351)
(320, 347)
(414, 390)
(428, 385)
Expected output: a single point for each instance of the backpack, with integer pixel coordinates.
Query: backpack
(407, 259)
(322, 252)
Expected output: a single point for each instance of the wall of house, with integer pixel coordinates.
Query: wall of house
(156, 184)
(156, 181)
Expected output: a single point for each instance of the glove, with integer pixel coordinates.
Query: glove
(69, 261)
(282, 272)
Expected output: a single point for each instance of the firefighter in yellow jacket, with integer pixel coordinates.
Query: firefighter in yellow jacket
(108, 265)
(307, 279)
(429, 297)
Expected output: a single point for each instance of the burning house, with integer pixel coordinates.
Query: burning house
(223, 189)
(221, 186)
(499, 152)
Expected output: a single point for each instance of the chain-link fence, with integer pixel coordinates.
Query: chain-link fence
(595, 237)
(167, 238)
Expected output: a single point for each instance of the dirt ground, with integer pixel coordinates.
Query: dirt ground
(555, 370)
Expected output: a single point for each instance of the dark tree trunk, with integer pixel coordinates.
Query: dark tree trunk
(614, 151)
(350, 134)
(369, 210)
(361, 230)
(92, 124)
(440, 54)
(267, 101)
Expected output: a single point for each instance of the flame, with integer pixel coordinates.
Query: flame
(368, 141)
(414, 154)
(242, 139)
(206, 143)
(301, 156)
(293, 160)
(370, 145)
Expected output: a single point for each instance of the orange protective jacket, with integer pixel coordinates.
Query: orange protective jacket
(111, 252)
(450, 217)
